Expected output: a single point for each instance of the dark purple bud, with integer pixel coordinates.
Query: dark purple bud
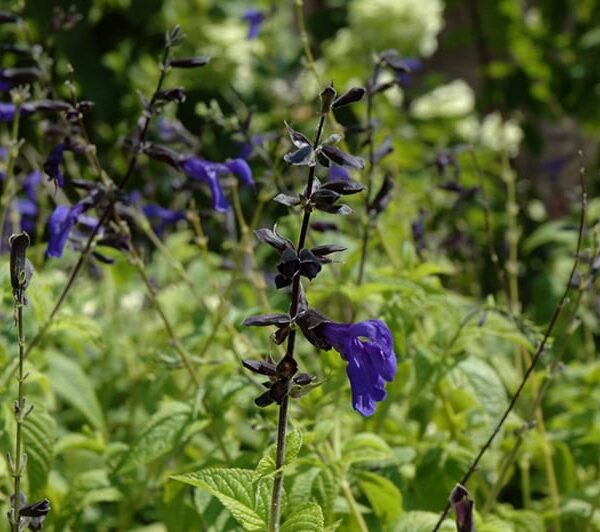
(310, 265)
(324, 197)
(281, 281)
(384, 149)
(162, 153)
(264, 320)
(85, 106)
(322, 227)
(336, 173)
(309, 322)
(286, 368)
(303, 379)
(343, 187)
(355, 94)
(190, 62)
(287, 200)
(262, 367)
(272, 238)
(52, 106)
(21, 269)
(298, 139)
(334, 154)
(383, 196)
(464, 508)
(175, 94)
(327, 98)
(289, 263)
(342, 210)
(20, 76)
(302, 157)
(7, 18)
(326, 249)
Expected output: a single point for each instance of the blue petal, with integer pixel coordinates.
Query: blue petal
(60, 224)
(240, 168)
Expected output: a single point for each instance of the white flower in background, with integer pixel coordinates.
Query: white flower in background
(452, 100)
(501, 136)
(492, 133)
(228, 42)
(409, 26)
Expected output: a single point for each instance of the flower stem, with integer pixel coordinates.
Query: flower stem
(289, 354)
(20, 415)
(360, 521)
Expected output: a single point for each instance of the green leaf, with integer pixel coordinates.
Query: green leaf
(422, 522)
(302, 486)
(70, 382)
(293, 444)
(366, 447)
(306, 518)
(39, 432)
(92, 487)
(384, 496)
(237, 491)
(161, 435)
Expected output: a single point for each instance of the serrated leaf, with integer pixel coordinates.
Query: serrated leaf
(366, 447)
(306, 518)
(293, 443)
(237, 491)
(384, 496)
(39, 432)
(163, 432)
(70, 382)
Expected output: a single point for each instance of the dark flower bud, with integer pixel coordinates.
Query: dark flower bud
(383, 196)
(175, 94)
(302, 157)
(342, 210)
(162, 153)
(463, 506)
(6, 17)
(297, 138)
(21, 269)
(286, 369)
(324, 197)
(281, 281)
(279, 320)
(322, 227)
(264, 400)
(303, 379)
(327, 97)
(323, 161)
(85, 106)
(385, 148)
(190, 62)
(19, 76)
(309, 322)
(322, 251)
(52, 105)
(353, 95)
(275, 240)
(262, 367)
(310, 265)
(333, 153)
(344, 187)
(289, 264)
(381, 87)
(287, 200)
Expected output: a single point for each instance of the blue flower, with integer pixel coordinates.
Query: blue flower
(165, 216)
(61, 221)
(368, 348)
(338, 173)
(209, 172)
(53, 162)
(28, 206)
(254, 18)
(7, 112)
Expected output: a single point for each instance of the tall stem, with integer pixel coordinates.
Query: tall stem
(289, 354)
(20, 418)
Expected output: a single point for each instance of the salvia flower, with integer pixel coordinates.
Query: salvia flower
(61, 221)
(164, 216)
(254, 18)
(368, 348)
(208, 172)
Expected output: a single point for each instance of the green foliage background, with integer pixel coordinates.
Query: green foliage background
(121, 440)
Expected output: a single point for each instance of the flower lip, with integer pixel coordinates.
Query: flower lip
(368, 348)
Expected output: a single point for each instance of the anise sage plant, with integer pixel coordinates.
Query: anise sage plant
(366, 346)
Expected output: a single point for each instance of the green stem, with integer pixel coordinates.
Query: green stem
(360, 521)
(20, 419)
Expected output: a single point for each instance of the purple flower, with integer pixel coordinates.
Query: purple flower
(209, 172)
(254, 18)
(53, 162)
(28, 206)
(61, 221)
(7, 112)
(165, 216)
(368, 348)
(338, 173)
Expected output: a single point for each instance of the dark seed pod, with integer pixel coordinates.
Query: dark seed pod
(355, 94)
(190, 62)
